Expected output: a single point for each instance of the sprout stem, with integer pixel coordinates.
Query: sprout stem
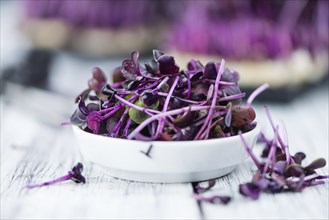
(162, 82)
(139, 108)
(256, 92)
(188, 85)
(55, 181)
(117, 128)
(271, 154)
(273, 127)
(213, 103)
(232, 97)
(125, 130)
(253, 157)
(182, 99)
(165, 106)
(118, 107)
(106, 110)
(168, 113)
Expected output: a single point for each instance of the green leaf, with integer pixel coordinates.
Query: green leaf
(164, 88)
(139, 116)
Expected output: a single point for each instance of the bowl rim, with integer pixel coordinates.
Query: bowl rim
(254, 131)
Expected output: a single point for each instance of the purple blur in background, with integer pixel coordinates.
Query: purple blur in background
(89, 13)
(251, 29)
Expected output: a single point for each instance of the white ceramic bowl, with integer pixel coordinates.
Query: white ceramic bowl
(170, 162)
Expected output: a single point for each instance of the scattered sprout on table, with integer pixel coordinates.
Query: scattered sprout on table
(281, 171)
(212, 199)
(197, 188)
(75, 175)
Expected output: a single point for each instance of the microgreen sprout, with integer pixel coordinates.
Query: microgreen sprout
(75, 175)
(162, 101)
(280, 171)
(212, 199)
(197, 188)
(215, 199)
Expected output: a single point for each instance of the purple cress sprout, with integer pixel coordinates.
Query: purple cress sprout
(75, 175)
(212, 199)
(281, 171)
(160, 101)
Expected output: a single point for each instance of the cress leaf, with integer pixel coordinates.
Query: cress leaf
(138, 116)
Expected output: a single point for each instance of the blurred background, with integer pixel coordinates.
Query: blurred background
(54, 44)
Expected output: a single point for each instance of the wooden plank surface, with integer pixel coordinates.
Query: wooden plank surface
(34, 149)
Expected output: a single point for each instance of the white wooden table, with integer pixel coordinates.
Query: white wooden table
(35, 148)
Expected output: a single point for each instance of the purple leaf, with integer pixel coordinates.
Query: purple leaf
(149, 97)
(78, 118)
(187, 133)
(316, 164)
(111, 124)
(93, 121)
(248, 127)
(262, 183)
(98, 81)
(299, 157)
(199, 189)
(167, 65)
(196, 66)
(250, 190)
(216, 199)
(117, 75)
(294, 170)
(130, 84)
(210, 71)
(280, 167)
(82, 106)
(176, 103)
(231, 76)
(134, 57)
(93, 107)
(196, 76)
(80, 114)
(199, 92)
(83, 95)
(93, 98)
(109, 91)
(184, 120)
(267, 148)
(75, 175)
(151, 67)
(157, 54)
(130, 68)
